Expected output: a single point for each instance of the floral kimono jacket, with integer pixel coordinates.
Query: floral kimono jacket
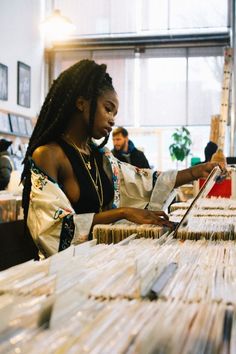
(53, 223)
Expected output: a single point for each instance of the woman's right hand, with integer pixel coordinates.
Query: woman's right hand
(145, 216)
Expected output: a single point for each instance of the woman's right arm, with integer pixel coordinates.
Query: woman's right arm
(51, 219)
(47, 159)
(138, 216)
(43, 155)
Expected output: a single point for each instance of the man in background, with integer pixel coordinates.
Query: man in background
(124, 149)
(6, 163)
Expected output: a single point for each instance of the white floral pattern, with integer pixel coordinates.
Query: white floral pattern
(49, 206)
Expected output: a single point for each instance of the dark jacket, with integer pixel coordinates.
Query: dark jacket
(6, 167)
(134, 156)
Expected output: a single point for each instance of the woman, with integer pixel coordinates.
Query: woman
(70, 184)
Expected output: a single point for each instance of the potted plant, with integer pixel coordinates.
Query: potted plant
(180, 148)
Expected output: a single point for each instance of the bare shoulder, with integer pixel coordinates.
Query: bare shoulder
(49, 158)
(50, 151)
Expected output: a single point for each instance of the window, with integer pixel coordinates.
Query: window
(205, 75)
(90, 17)
(162, 92)
(145, 16)
(197, 14)
(161, 87)
(155, 15)
(120, 66)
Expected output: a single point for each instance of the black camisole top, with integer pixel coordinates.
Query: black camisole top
(88, 201)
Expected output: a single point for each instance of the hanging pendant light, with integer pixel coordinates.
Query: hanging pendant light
(57, 26)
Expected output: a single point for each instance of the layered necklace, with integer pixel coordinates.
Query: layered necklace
(96, 182)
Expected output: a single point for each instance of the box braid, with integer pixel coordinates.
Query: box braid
(86, 79)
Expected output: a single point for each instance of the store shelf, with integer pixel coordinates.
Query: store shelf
(17, 246)
(15, 134)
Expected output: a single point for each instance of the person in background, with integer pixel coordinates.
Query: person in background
(124, 149)
(6, 163)
(209, 150)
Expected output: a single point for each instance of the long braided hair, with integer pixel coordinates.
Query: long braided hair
(87, 79)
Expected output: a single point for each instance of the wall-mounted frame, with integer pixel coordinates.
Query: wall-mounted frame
(29, 126)
(4, 122)
(22, 126)
(23, 84)
(14, 123)
(3, 82)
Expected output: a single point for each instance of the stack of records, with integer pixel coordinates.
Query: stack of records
(131, 327)
(114, 233)
(96, 299)
(208, 203)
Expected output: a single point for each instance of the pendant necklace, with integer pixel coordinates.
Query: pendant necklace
(97, 183)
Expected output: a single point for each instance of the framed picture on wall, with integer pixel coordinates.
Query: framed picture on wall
(29, 126)
(3, 82)
(4, 122)
(14, 123)
(22, 126)
(23, 84)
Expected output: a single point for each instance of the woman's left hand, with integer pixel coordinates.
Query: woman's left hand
(198, 171)
(204, 169)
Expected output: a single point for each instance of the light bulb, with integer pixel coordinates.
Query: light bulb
(57, 26)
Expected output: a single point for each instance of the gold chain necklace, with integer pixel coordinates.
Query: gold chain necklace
(97, 183)
(81, 151)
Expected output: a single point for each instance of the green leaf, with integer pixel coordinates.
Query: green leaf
(180, 148)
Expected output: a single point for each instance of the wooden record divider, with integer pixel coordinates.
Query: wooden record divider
(225, 94)
(219, 121)
(214, 131)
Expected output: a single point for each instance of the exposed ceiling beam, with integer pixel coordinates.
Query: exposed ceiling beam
(177, 40)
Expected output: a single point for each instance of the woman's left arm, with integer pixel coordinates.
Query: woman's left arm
(194, 173)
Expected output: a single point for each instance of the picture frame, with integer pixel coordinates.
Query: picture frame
(4, 122)
(29, 126)
(23, 84)
(14, 123)
(3, 82)
(22, 125)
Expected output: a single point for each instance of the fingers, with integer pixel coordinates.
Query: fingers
(209, 166)
(160, 218)
(145, 216)
(168, 224)
(161, 213)
(159, 222)
(221, 165)
(163, 222)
